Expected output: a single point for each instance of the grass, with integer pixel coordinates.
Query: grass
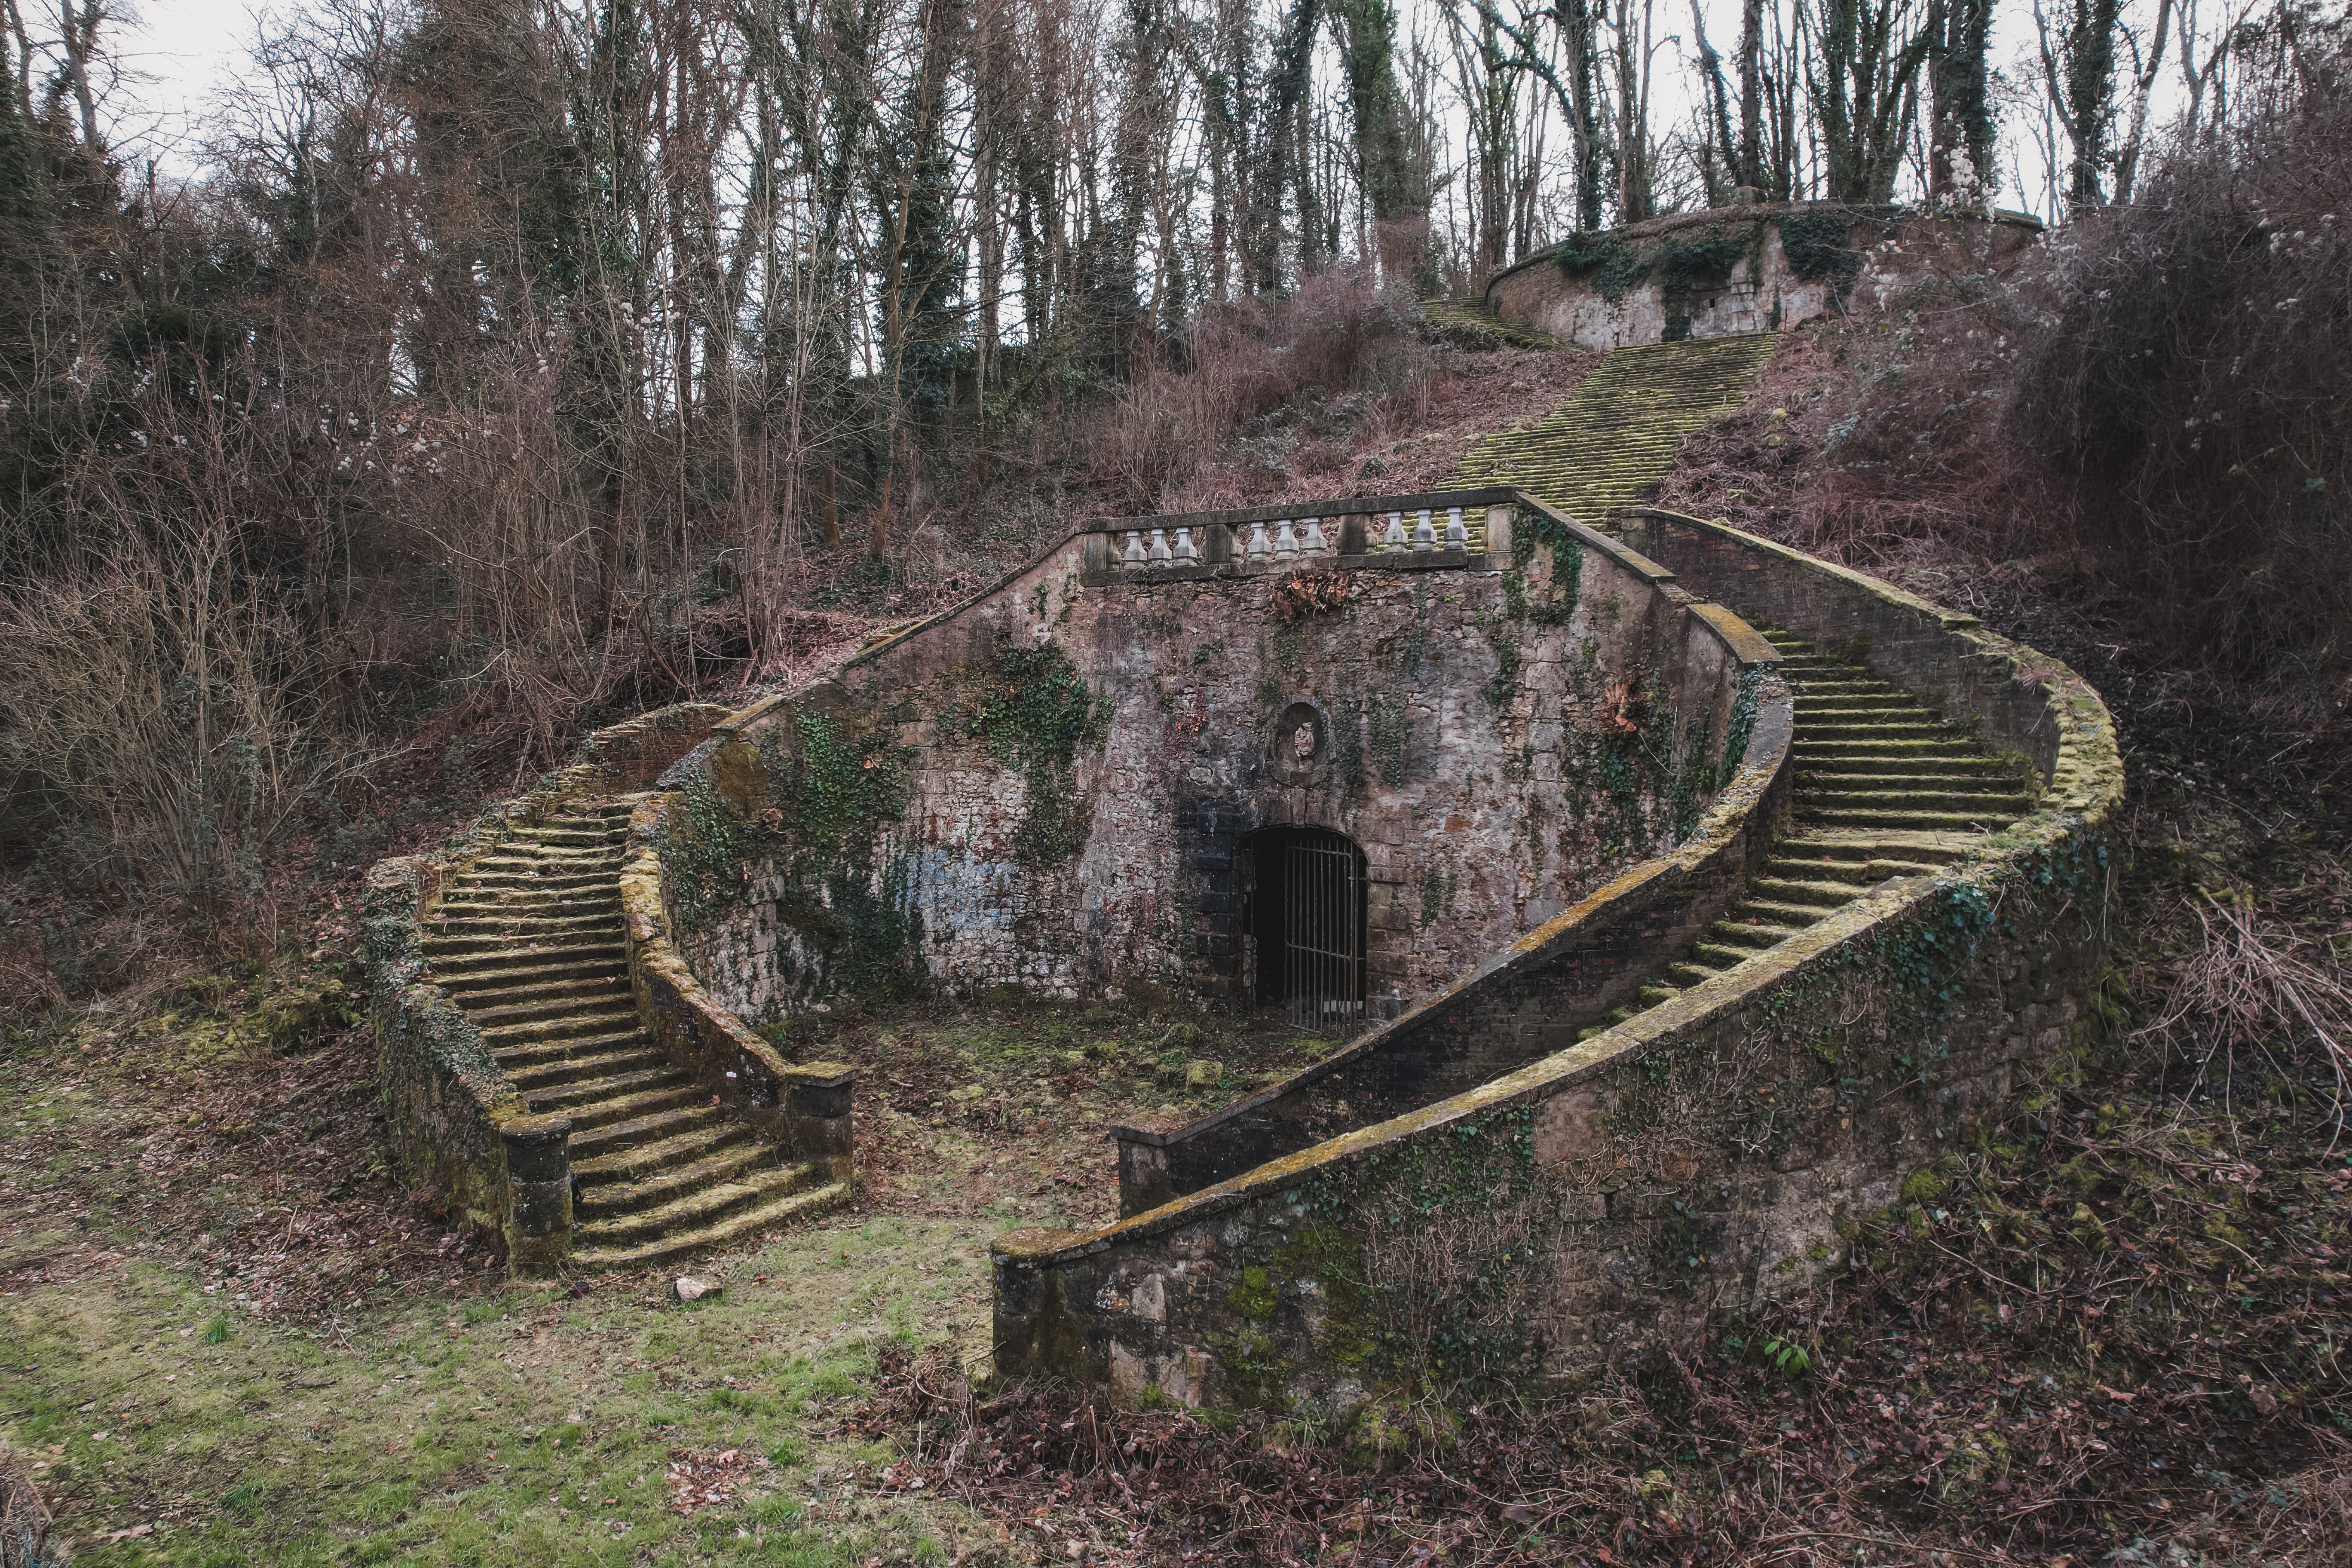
(184, 1395)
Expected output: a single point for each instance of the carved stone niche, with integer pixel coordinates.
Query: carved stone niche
(1300, 743)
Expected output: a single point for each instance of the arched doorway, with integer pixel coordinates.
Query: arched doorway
(1300, 906)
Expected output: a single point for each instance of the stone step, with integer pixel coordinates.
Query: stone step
(2007, 806)
(739, 1227)
(472, 903)
(671, 1090)
(594, 1095)
(644, 1057)
(1812, 749)
(1961, 761)
(1937, 821)
(670, 1192)
(498, 1010)
(520, 925)
(600, 1139)
(506, 884)
(579, 1048)
(600, 1020)
(1776, 912)
(1944, 782)
(1858, 875)
(1719, 956)
(1754, 936)
(593, 982)
(1823, 895)
(603, 954)
(1886, 729)
(473, 951)
(645, 1159)
(1654, 993)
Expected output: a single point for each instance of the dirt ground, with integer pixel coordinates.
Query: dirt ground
(227, 1336)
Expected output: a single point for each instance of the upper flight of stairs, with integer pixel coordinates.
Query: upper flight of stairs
(1884, 788)
(1470, 324)
(528, 943)
(1614, 439)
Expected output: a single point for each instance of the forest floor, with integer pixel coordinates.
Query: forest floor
(227, 1336)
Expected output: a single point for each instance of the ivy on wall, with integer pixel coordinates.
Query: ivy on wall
(828, 791)
(1687, 262)
(1036, 713)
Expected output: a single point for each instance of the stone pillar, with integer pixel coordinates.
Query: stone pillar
(816, 1111)
(539, 1193)
(1143, 1182)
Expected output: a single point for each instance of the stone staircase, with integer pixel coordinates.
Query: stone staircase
(1884, 788)
(1613, 440)
(528, 943)
(1466, 322)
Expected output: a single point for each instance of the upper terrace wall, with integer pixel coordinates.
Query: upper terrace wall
(1045, 787)
(1730, 270)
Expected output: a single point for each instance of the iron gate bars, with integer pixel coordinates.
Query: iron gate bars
(1323, 933)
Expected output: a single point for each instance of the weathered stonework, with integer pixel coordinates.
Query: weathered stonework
(1732, 270)
(1049, 788)
(448, 1104)
(1708, 1153)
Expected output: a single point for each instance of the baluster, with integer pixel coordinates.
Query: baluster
(1315, 544)
(1159, 555)
(1258, 548)
(1187, 554)
(1285, 543)
(1457, 536)
(1133, 554)
(1392, 541)
(1423, 539)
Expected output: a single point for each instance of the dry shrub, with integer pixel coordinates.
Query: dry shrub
(1339, 334)
(2186, 392)
(2250, 987)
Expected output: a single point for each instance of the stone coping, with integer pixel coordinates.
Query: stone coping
(2085, 789)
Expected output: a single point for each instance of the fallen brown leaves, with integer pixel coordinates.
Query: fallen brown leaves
(699, 1479)
(264, 1171)
(2123, 1327)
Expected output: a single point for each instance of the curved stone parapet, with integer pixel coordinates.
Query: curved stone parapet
(1711, 1151)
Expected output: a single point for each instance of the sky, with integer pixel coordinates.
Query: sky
(180, 52)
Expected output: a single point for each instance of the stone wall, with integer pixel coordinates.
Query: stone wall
(1731, 271)
(1048, 788)
(1707, 1152)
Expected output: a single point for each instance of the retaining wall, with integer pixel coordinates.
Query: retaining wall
(1732, 270)
(1049, 788)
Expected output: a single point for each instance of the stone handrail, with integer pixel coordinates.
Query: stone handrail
(457, 1124)
(1702, 1153)
(1529, 1001)
(805, 1107)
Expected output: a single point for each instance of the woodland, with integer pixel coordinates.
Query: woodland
(482, 373)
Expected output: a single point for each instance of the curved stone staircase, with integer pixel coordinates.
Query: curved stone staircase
(1884, 786)
(1613, 440)
(528, 943)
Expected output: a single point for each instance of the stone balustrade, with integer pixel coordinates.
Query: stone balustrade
(1446, 528)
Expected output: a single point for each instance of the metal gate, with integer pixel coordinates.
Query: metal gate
(1323, 933)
